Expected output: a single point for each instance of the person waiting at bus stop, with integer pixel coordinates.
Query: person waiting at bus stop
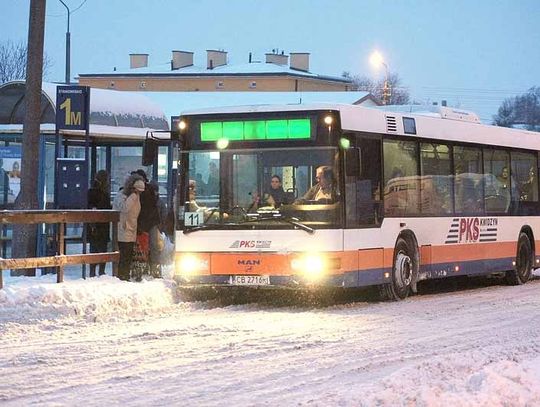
(128, 203)
(325, 188)
(99, 197)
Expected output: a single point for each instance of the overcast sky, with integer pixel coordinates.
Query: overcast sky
(473, 53)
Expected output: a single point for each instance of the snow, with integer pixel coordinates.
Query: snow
(102, 341)
(173, 103)
(255, 68)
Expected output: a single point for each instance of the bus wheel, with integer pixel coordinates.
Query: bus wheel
(402, 272)
(523, 270)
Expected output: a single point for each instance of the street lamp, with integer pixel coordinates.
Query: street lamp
(67, 45)
(376, 59)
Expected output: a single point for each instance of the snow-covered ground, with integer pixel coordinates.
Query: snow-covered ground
(106, 342)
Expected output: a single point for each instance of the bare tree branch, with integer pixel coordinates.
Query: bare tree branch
(13, 61)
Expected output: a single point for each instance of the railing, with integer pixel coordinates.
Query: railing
(61, 218)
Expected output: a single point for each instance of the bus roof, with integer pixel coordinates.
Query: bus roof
(440, 123)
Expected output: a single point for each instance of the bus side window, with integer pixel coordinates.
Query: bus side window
(468, 180)
(525, 175)
(401, 180)
(497, 181)
(363, 189)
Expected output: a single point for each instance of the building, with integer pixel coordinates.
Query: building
(279, 73)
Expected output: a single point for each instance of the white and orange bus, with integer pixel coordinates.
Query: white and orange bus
(414, 196)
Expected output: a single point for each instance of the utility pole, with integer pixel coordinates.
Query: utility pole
(24, 236)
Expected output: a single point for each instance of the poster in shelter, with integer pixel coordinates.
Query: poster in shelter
(10, 172)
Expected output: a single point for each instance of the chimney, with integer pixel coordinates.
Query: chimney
(215, 58)
(300, 61)
(138, 61)
(278, 59)
(181, 59)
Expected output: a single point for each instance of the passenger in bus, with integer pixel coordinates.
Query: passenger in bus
(276, 195)
(325, 188)
(212, 184)
(504, 181)
(528, 188)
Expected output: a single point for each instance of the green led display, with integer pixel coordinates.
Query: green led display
(212, 131)
(298, 128)
(233, 130)
(278, 129)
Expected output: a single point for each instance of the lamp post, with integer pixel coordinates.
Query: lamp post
(68, 40)
(377, 60)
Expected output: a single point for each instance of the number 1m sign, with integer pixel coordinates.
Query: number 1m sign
(72, 106)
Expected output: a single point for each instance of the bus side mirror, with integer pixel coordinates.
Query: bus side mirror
(149, 153)
(353, 162)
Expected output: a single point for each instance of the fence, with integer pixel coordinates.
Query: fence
(61, 218)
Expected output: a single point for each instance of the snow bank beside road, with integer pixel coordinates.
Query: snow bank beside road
(94, 298)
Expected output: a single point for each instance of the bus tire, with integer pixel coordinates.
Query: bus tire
(403, 271)
(524, 262)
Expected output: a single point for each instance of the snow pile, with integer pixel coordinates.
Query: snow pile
(93, 299)
(455, 381)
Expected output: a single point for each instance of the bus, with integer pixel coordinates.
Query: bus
(414, 196)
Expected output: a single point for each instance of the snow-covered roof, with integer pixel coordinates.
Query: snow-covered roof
(174, 103)
(253, 68)
(96, 131)
(433, 111)
(107, 107)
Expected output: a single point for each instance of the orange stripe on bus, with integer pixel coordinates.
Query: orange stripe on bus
(352, 260)
(468, 252)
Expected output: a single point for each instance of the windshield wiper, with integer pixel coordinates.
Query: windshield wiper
(277, 217)
(221, 226)
(206, 226)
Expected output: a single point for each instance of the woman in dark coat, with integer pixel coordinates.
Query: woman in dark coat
(275, 196)
(99, 197)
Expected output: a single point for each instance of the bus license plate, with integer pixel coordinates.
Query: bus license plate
(250, 280)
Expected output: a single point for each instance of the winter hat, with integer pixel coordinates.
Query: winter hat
(139, 185)
(141, 173)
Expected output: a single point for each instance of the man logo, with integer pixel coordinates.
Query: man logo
(249, 262)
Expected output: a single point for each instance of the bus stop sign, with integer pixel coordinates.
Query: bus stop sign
(72, 107)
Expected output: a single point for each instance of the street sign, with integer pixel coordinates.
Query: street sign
(72, 107)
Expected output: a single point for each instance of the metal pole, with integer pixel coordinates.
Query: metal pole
(68, 46)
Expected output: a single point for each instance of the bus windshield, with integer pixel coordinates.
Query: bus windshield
(261, 189)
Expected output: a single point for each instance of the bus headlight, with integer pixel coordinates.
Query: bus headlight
(189, 264)
(310, 265)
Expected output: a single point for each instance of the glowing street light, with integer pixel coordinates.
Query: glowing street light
(376, 59)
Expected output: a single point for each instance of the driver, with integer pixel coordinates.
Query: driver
(193, 206)
(324, 189)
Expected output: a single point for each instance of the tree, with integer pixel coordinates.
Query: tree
(522, 110)
(13, 61)
(399, 95)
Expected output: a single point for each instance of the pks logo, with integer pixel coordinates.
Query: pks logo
(472, 230)
(469, 230)
(251, 244)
